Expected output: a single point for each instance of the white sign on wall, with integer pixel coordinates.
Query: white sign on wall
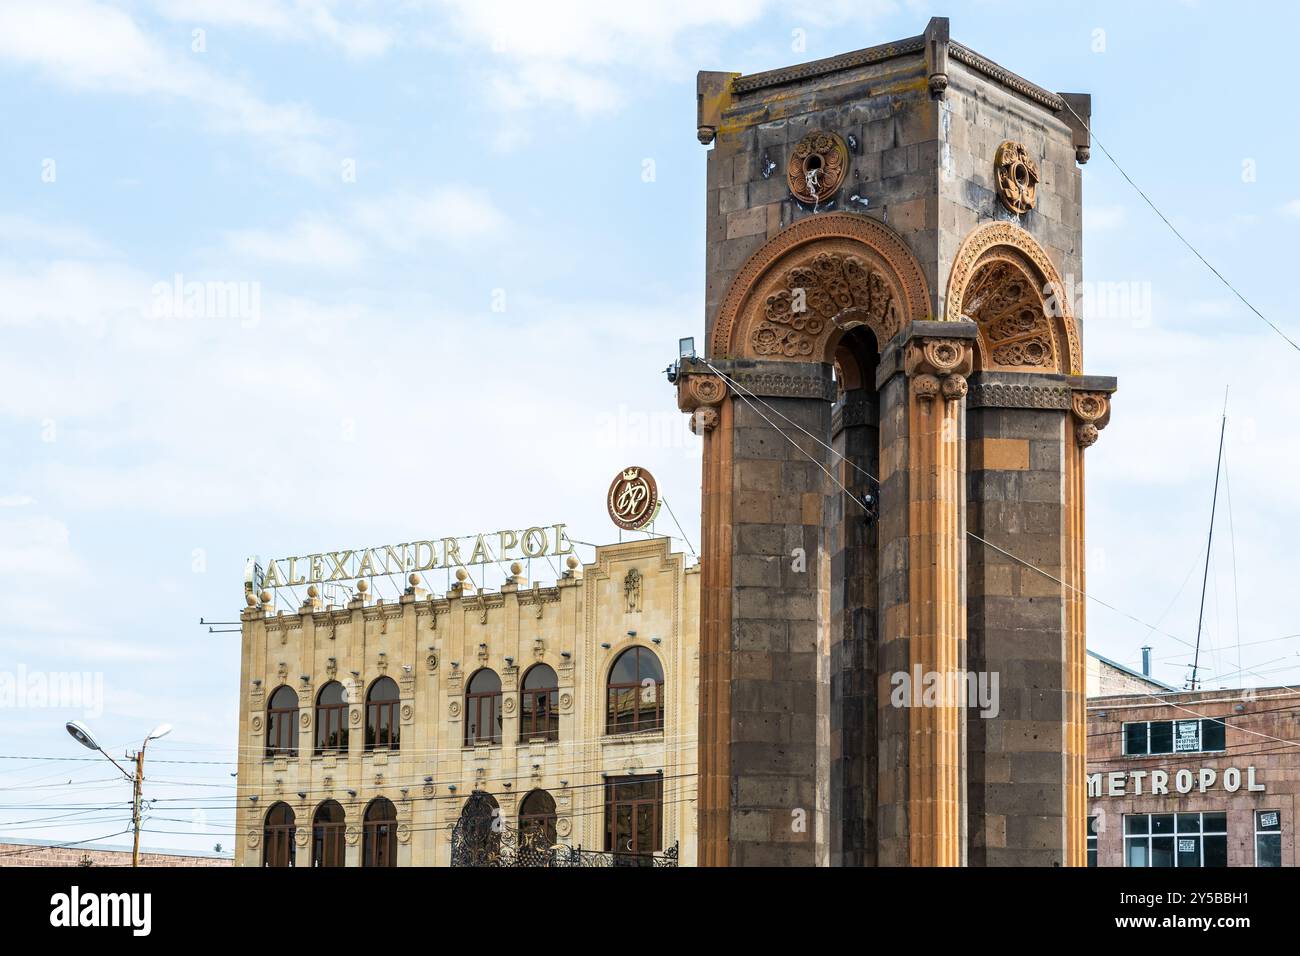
(1122, 783)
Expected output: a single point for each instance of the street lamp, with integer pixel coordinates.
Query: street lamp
(82, 735)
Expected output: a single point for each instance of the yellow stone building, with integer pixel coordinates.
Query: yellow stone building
(533, 715)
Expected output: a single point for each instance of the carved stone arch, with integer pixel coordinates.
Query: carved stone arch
(1005, 282)
(844, 270)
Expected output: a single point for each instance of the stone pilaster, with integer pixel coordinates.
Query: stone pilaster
(764, 744)
(1090, 412)
(922, 383)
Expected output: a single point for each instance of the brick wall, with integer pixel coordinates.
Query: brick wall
(26, 854)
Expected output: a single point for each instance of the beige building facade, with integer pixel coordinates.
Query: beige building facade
(555, 715)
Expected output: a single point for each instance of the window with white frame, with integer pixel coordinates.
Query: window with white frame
(1092, 841)
(1174, 736)
(1176, 839)
(1268, 838)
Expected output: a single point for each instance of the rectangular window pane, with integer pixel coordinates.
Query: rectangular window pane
(1268, 820)
(1189, 823)
(1136, 852)
(1187, 736)
(1213, 735)
(1135, 738)
(1137, 823)
(1162, 823)
(1092, 856)
(1189, 851)
(1216, 822)
(1162, 736)
(1216, 850)
(1162, 851)
(1268, 849)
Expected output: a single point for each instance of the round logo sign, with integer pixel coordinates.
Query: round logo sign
(633, 498)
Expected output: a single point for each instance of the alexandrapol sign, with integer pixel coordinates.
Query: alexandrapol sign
(412, 556)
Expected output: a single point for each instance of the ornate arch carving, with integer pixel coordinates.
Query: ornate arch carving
(816, 278)
(1005, 282)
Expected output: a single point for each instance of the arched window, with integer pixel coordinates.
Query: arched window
(277, 836)
(476, 838)
(379, 846)
(537, 821)
(483, 708)
(383, 731)
(332, 719)
(327, 828)
(282, 723)
(539, 705)
(636, 693)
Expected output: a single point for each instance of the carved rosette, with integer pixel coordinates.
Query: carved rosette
(1017, 177)
(938, 367)
(700, 394)
(817, 167)
(1092, 410)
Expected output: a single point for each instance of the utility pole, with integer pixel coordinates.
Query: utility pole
(135, 804)
(81, 733)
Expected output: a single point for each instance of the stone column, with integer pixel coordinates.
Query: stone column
(1090, 405)
(1025, 618)
(851, 683)
(922, 385)
(765, 611)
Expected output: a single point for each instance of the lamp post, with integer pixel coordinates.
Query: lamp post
(81, 733)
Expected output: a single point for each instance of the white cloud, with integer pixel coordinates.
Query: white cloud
(1292, 208)
(582, 53)
(92, 47)
(403, 223)
(299, 20)
(24, 234)
(312, 241)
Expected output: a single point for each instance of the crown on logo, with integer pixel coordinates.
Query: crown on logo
(630, 474)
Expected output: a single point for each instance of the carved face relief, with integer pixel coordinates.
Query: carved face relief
(817, 167)
(1017, 177)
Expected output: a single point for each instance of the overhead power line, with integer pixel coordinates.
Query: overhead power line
(1174, 229)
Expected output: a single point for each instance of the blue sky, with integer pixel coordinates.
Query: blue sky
(475, 232)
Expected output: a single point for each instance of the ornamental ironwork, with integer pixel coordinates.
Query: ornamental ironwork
(481, 837)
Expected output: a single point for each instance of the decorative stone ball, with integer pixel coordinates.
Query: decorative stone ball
(363, 587)
(415, 580)
(313, 591)
(251, 598)
(266, 597)
(572, 562)
(461, 574)
(516, 568)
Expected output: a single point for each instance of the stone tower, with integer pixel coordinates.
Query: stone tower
(894, 416)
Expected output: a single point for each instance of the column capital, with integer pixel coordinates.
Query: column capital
(936, 361)
(1090, 404)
